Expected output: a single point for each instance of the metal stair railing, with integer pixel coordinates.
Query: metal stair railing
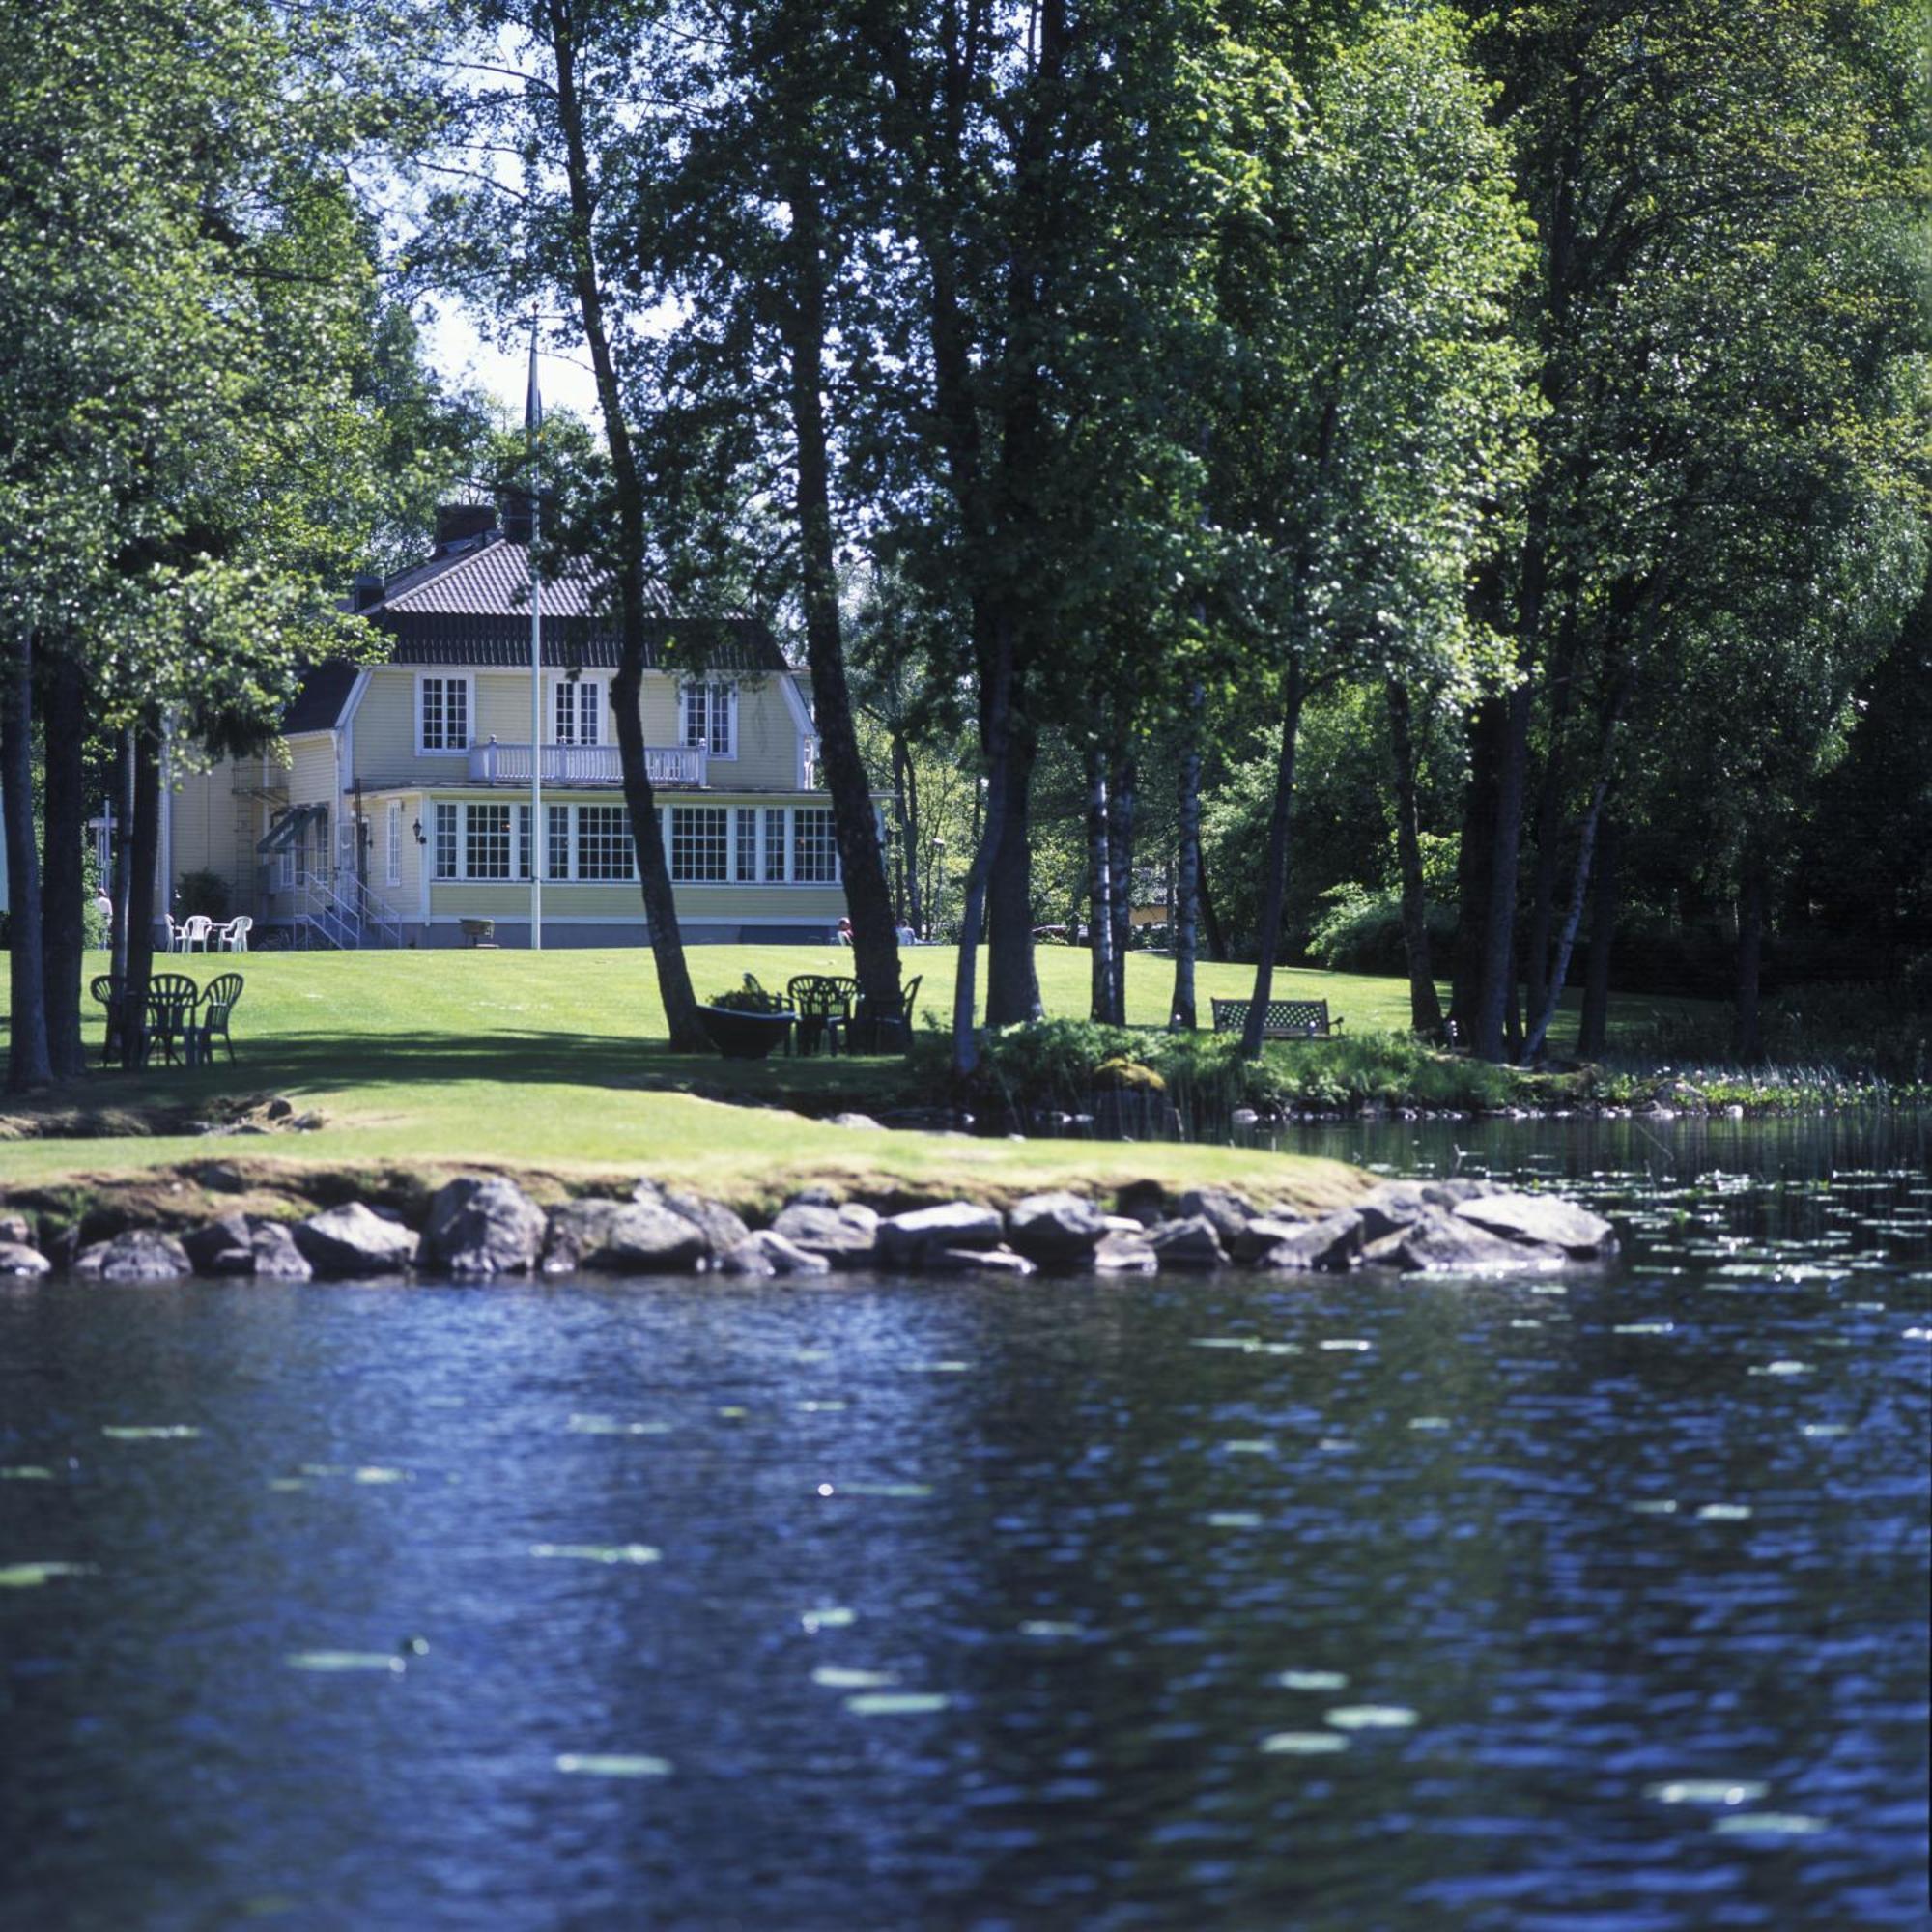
(346, 914)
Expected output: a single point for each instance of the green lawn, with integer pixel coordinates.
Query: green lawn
(556, 1062)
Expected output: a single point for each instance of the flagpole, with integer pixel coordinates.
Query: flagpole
(539, 844)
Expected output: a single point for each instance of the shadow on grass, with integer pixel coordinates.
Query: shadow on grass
(305, 1065)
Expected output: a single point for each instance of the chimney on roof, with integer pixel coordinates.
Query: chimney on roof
(460, 525)
(367, 590)
(516, 508)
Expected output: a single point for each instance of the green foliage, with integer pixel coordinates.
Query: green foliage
(201, 893)
(747, 1000)
(1360, 930)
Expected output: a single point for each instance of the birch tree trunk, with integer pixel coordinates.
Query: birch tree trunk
(29, 1066)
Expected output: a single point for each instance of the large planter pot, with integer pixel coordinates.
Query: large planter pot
(745, 1036)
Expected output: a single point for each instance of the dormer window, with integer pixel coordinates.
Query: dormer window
(578, 714)
(711, 718)
(442, 713)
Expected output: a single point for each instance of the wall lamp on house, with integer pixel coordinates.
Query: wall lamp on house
(418, 829)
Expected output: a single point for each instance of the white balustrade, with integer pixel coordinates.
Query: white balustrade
(679, 767)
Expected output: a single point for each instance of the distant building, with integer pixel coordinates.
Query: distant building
(397, 806)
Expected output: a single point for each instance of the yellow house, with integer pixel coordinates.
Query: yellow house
(397, 806)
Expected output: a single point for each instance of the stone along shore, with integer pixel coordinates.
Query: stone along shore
(485, 1228)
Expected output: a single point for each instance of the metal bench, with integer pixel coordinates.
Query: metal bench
(1281, 1019)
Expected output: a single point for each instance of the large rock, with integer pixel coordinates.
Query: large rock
(355, 1240)
(480, 1228)
(721, 1229)
(1222, 1208)
(642, 1237)
(20, 1263)
(1442, 1242)
(747, 1260)
(246, 1244)
(575, 1230)
(1123, 1253)
(141, 1254)
(1328, 1246)
(977, 1261)
(14, 1232)
(1058, 1229)
(844, 1235)
(779, 1256)
(1262, 1233)
(1188, 1243)
(908, 1238)
(1542, 1220)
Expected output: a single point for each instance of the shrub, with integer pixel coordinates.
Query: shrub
(203, 892)
(1361, 931)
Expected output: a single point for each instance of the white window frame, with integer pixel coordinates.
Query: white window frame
(392, 843)
(446, 817)
(582, 712)
(468, 680)
(714, 688)
(681, 853)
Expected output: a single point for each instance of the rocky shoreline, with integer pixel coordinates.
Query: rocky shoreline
(484, 1228)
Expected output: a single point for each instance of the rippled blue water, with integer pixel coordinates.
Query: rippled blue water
(1633, 1570)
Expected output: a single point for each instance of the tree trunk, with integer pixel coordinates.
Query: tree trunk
(687, 1030)
(1217, 939)
(29, 1064)
(906, 804)
(1275, 897)
(875, 942)
(1748, 1024)
(998, 733)
(1593, 1024)
(1425, 1009)
(1013, 987)
(1181, 1012)
(1099, 889)
(63, 872)
(1123, 793)
(124, 871)
(1486, 726)
(1497, 987)
(144, 846)
(1549, 819)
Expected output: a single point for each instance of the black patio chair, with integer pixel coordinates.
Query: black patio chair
(172, 998)
(823, 1004)
(217, 1003)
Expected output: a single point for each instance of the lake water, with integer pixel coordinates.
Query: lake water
(1330, 1604)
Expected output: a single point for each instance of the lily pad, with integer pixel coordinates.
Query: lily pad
(818, 1407)
(1312, 1680)
(1767, 1825)
(937, 1368)
(876, 1488)
(1047, 1628)
(343, 1660)
(1245, 1345)
(1303, 1743)
(27, 1472)
(1250, 1445)
(169, 1432)
(613, 1764)
(835, 1677)
(1656, 1506)
(1782, 1369)
(610, 1425)
(1724, 1512)
(31, 1575)
(896, 1703)
(1233, 1520)
(1706, 1791)
(375, 1475)
(833, 1616)
(1645, 1328)
(1429, 1422)
(598, 1552)
(1351, 1345)
(1369, 1717)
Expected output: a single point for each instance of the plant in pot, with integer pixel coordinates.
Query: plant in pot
(746, 1022)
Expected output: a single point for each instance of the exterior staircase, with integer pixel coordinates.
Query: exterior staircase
(336, 911)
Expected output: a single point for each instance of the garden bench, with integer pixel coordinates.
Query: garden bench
(1281, 1019)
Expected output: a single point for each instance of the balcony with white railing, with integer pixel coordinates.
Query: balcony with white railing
(671, 767)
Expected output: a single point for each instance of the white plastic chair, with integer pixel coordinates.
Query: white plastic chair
(234, 937)
(194, 933)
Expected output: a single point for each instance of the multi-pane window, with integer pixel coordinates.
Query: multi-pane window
(699, 844)
(486, 842)
(393, 844)
(814, 849)
(577, 713)
(446, 840)
(710, 719)
(774, 845)
(523, 841)
(443, 714)
(745, 824)
(556, 864)
(604, 848)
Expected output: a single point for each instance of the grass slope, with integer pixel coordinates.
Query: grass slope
(555, 1063)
